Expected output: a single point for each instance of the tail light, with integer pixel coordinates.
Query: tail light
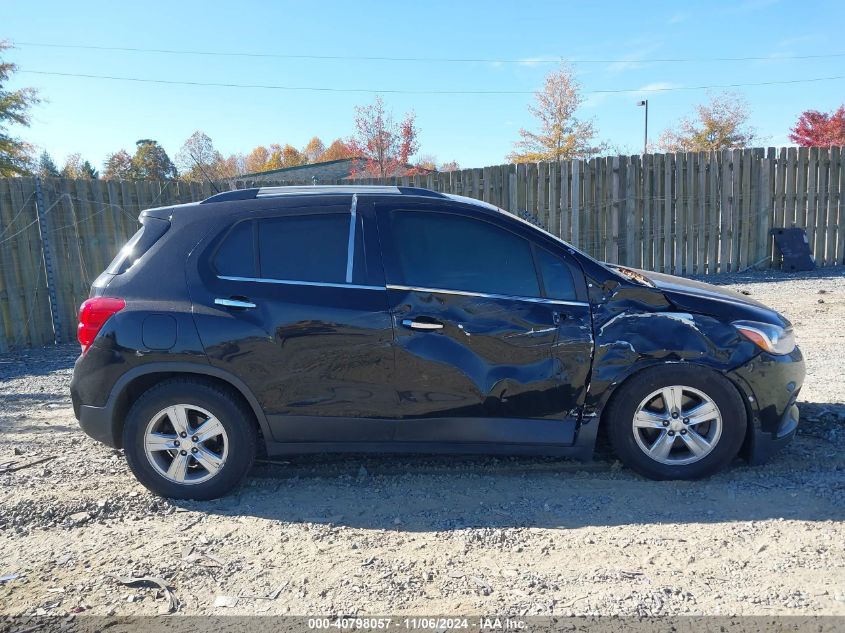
(92, 316)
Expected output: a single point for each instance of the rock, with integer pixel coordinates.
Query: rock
(17, 451)
(78, 518)
(225, 601)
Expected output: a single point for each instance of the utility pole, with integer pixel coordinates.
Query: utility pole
(645, 136)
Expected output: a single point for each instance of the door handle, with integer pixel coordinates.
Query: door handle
(422, 325)
(234, 303)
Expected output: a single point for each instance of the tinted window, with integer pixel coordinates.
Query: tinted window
(236, 255)
(304, 247)
(442, 250)
(557, 278)
(150, 232)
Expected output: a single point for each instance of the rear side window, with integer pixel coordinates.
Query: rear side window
(452, 252)
(150, 232)
(312, 248)
(304, 247)
(557, 278)
(236, 255)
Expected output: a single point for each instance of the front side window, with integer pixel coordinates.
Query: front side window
(453, 252)
(557, 278)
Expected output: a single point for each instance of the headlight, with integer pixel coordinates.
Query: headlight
(770, 338)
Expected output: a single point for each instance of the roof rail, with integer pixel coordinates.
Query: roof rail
(419, 191)
(274, 192)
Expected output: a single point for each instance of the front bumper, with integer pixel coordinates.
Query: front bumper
(770, 386)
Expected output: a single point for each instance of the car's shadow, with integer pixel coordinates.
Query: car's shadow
(421, 494)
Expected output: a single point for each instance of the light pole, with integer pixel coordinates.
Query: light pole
(645, 136)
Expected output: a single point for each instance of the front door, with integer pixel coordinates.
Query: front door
(485, 352)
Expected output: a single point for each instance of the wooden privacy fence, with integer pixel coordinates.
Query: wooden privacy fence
(691, 214)
(85, 222)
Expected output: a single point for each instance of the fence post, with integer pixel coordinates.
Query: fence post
(47, 255)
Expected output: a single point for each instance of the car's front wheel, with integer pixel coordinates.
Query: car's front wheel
(188, 439)
(676, 422)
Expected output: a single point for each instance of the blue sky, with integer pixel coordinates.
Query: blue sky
(96, 117)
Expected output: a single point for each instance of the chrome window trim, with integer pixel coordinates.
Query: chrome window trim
(488, 295)
(294, 282)
(350, 248)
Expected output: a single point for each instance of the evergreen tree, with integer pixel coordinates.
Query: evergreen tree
(46, 167)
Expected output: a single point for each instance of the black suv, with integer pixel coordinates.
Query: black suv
(319, 319)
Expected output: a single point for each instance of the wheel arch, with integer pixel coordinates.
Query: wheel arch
(614, 390)
(135, 382)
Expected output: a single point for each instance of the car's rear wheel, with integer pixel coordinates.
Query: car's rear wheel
(676, 422)
(188, 439)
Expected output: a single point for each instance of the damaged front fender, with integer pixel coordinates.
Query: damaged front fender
(639, 327)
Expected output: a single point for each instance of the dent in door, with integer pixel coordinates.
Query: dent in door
(492, 358)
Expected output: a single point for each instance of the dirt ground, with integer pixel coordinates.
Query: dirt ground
(422, 535)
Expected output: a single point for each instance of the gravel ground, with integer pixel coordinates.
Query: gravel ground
(422, 535)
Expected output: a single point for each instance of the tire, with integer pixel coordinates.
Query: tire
(641, 443)
(227, 452)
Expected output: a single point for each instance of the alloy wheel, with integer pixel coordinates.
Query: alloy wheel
(677, 425)
(186, 444)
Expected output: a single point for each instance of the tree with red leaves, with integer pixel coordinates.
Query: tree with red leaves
(385, 145)
(819, 129)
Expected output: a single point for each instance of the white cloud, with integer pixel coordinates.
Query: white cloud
(633, 60)
(535, 61)
(655, 86)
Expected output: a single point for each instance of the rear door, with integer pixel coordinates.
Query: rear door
(485, 352)
(294, 304)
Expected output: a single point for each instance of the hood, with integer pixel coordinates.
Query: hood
(697, 296)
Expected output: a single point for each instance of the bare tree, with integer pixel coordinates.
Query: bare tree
(561, 135)
(198, 159)
(722, 123)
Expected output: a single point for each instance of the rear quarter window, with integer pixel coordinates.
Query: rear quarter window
(150, 232)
